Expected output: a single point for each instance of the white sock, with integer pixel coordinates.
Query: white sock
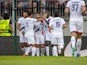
(33, 51)
(60, 49)
(38, 52)
(47, 50)
(27, 50)
(54, 51)
(78, 45)
(42, 51)
(73, 41)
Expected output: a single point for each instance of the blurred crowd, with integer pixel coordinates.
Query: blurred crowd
(33, 5)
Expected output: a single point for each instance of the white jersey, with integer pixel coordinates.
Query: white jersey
(57, 31)
(39, 32)
(29, 25)
(57, 24)
(39, 28)
(75, 7)
(21, 21)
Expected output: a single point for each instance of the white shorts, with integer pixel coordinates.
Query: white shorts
(76, 26)
(29, 38)
(57, 39)
(39, 39)
(47, 36)
(21, 38)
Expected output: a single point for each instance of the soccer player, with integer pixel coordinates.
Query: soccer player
(56, 25)
(47, 19)
(21, 27)
(39, 35)
(77, 9)
(29, 33)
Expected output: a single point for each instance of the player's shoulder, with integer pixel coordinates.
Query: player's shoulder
(28, 18)
(21, 18)
(50, 17)
(82, 1)
(34, 20)
(58, 18)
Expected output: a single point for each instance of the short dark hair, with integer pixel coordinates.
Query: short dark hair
(29, 13)
(55, 13)
(24, 11)
(47, 14)
(6, 16)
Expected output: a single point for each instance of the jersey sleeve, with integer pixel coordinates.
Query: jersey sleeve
(68, 5)
(63, 21)
(83, 3)
(51, 23)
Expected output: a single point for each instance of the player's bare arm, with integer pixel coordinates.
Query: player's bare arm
(18, 26)
(83, 10)
(67, 12)
(64, 26)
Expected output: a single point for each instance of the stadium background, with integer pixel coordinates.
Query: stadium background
(10, 45)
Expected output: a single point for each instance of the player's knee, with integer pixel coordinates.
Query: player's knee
(74, 34)
(42, 45)
(79, 36)
(37, 45)
(34, 45)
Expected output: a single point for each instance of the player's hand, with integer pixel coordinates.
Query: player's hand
(23, 33)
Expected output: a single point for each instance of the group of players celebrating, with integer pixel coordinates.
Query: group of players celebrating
(38, 34)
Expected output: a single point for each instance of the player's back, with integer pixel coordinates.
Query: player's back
(29, 24)
(57, 24)
(75, 7)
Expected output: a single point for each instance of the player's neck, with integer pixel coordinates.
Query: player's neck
(29, 17)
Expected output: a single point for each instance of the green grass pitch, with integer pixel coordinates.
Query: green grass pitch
(20, 60)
